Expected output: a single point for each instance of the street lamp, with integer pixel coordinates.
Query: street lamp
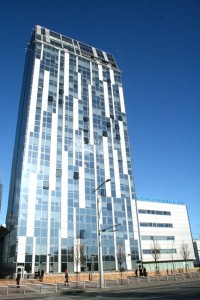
(107, 180)
(49, 255)
(16, 250)
(92, 255)
(99, 236)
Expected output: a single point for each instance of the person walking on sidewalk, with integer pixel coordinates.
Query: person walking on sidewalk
(136, 272)
(18, 279)
(66, 277)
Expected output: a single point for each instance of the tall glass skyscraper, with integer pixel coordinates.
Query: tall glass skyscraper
(71, 137)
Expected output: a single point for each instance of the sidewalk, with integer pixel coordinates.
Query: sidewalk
(41, 291)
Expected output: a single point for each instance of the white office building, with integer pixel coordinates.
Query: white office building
(165, 235)
(196, 244)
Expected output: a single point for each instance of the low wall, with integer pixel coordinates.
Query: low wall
(107, 275)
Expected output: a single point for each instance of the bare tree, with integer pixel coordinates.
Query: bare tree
(77, 254)
(185, 252)
(155, 252)
(121, 257)
(171, 253)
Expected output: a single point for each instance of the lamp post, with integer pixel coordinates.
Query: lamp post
(16, 250)
(86, 254)
(99, 236)
(49, 255)
(92, 255)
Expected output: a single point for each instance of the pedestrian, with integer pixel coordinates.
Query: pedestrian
(136, 272)
(140, 272)
(145, 272)
(39, 273)
(66, 277)
(18, 279)
(42, 275)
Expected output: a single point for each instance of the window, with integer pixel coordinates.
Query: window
(144, 224)
(109, 206)
(58, 172)
(43, 31)
(57, 44)
(171, 238)
(68, 48)
(167, 213)
(168, 225)
(117, 137)
(66, 39)
(85, 118)
(142, 211)
(157, 237)
(55, 34)
(105, 133)
(86, 140)
(86, 129)
(100, 53)
(153, 212)
(108, 124)
(45, 185)
(82, 234)
(38, 105)
(76, 175)
(155, 251)
(110, 57)
(145, 237)
(86, 48)
(120, 118)
(158, 251)
(50, 98)
(103, 192)
(119, 158)
(155, 225)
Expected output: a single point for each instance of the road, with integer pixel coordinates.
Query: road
(183, 291)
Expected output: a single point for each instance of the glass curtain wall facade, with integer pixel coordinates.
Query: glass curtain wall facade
(71, 136)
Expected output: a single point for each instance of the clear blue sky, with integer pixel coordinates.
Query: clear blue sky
(157, 46)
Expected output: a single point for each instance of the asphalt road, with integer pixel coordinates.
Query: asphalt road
(183, 291)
